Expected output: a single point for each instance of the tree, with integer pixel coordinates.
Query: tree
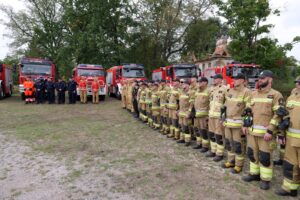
(248, 30)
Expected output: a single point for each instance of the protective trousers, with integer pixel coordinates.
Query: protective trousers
(235, 146)
(96, 97)
(291, 166)
(259, 153)
(216, 135)
(201, 125)
(185, 132)
(83, 96)
(174, 127)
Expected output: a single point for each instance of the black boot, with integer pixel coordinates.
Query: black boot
(249, 178)
(180, 141)
(204, 150)
(278, 162)
(264, 185)
(210, 155)
(218, 158)
(198, 146)
(282, 192)
(187, 144)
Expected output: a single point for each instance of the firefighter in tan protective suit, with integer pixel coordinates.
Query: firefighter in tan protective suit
(149, 103)
(262, 107)
(291, 163)
(142, 102)
(201, 106)
(155, 108)
(216, 131)
(129, 97)
(184, 114)
(191, 93)
(235, 103)
(173, 107)
(163, 97)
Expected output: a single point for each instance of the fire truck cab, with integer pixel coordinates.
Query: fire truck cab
(90, 72)
(229, 71)
(117, 75)
(35, 68)
(176, 71)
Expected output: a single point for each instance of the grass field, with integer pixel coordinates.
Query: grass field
(102, 152)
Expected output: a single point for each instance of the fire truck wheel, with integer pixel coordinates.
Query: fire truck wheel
(10, 91)
(118, 94)
(1, 92)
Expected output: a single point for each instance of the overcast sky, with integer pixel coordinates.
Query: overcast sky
(287, 25)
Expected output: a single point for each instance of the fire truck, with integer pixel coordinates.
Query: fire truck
(6, 81)
(229, 71)
(177, 71)
(118, 74)
(90, 72)
(35, 68)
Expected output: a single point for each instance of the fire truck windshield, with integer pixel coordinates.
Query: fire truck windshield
(250, 72)
(36, 69)
(185, 72)
(133, 73)
(90, 72)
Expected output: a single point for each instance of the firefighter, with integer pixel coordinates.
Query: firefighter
(173, 107)
(71, 86)
(216, 131)
(39, 88)
(95, 90)
(135, 91)
(262, 119)
(184, 114)
(83, 90)
(29, 90)
(291, 163)
(155, 107)
(142, 102)
(149, 103)
(50, 91)
(235, 103)
(138, 98)
(124, 95)
(201, 106)
(61, 91)
(163, 98)
(191, 93)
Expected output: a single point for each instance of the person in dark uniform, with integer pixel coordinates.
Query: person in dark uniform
(61, 90)
(71, 86)
(50, 91)
(39, 87)
(134, 99)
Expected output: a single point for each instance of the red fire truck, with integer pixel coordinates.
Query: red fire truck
(118, 74)
(177, 71)
(251, 71)
(90, 72)
(35, 68)
(6, 81)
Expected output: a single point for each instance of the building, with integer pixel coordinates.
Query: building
(219, 58)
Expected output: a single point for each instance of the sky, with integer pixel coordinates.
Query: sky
(287, 25)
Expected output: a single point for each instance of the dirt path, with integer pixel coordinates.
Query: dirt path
(26, 174)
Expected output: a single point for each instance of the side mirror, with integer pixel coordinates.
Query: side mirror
(1, 67)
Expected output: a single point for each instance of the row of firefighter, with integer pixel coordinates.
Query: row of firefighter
(225, 123)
